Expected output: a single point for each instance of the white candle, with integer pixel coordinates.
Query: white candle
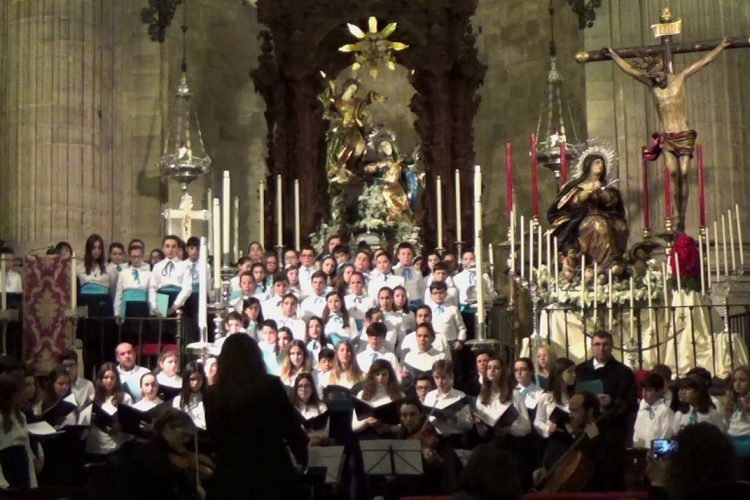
(279, 214)
(677, 272)
(648, 291)
(583, 283)
(724, 244)
(262, 214)
(216, 216)
(596, 293)
(549, 260)
(439, 210)
(716, 252)
(522, 262)
(531, 250)
(700, 260)
(557, 275)
(203, 290)
(73, 283)
(731, 240)
(209, 199)
(632, 308)
(236, 229)
(491, 256)
(225, 207)
(3, 287)
(479, 249)
(513, 241)
(539, 254)
(708, 259)
(458, 206)
(297, 235)
(664, 290)
(739, 236)
(609, 298)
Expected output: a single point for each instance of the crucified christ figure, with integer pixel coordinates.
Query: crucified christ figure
(676, 139)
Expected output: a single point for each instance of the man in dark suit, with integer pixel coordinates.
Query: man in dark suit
(618, 400)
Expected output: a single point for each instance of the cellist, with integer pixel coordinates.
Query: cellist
(579, 450)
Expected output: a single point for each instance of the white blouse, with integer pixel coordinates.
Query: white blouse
(495, 409)
(544, 409)
(102, 443)
(713, 416)
(308, 412)
(379, 399)
(194, 409)
(463, 423)
(17, 436)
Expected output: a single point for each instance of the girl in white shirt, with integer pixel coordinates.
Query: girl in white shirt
(401, 303)
(190, 399)
(692, 391)
(381, 387)
(561, 385)
(150, 390)
(17, 468)
(497, 395)
(737, 415)
(269, 346)
(305, 400)
(252, 316)
(296, 361)
(523, 369)
(57, 389)
(338, 324)
(392, 319)
(108, 394)
(345, 371)
(167, 375)
(315, 338)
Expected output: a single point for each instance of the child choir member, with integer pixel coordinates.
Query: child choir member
(346, 371)
(17, 467)
(413, 281)
(560, 388)
(131, 292)
(167, 375)
(97, 283)
(544, 359)
(376, 350)
(445, 395)
(289, 318)
(402, 306)
(655, 418)
(269, 346)
(497, 395)
(316, 338)
(524, 373)
(171, 277)
(422, 359)
(190, 399)
(105, 442)
(392, 318)
(737, 416)
(693, 393)
(150, 390)
(380, 387)
(296, 361)
(252, 316)
(315, 302)
(304, 397)
(338, 324)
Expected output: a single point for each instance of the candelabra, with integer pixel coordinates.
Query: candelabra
(529, 284)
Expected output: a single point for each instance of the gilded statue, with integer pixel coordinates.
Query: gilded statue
(677, 139)
(588, 216)
(387, 167)
(349, 125)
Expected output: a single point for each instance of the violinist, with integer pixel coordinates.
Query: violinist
(163, 467)
(580, 434)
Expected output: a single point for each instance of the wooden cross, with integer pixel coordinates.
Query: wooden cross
(185, 214)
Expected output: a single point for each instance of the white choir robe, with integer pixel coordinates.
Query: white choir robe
(358, 305)
(409, 343)
(544, 409)
(366, 358)
(448, 321)
(531, 394)
(713, 416)
(297, 326)
(146, 405)
(652, 422)
(305, 280)
(312, 305)
(463, 423)
(335, 326)
(177, 274)
(413, 281)
(421, 361)
(466, 284)
(380, 281)
(495, 409)
(394, 321)
(130, 279)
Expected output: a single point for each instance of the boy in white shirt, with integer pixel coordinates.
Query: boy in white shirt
(413, 282)
(306, 269)
(384, 277)
(272, 307)
(445, 318)
(315, 301)
(466, 281)
(170, 276)
(288, 317)
(248, 288)
(82, 389)
(376, 350)
(423, 314)
(13, 282)
(440, 275)
(655, 418)
(357, 302)
(244, 264)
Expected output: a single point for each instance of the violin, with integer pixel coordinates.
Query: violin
(184, 460)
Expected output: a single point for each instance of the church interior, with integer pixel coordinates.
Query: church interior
(540, 200)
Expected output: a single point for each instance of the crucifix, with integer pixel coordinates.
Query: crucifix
(185, 214)
(654, 67)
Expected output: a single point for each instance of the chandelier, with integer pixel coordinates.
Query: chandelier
(553, 113)
(184, 157)
(373, 46)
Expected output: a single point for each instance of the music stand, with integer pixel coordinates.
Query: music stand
(330, 458)
(392, 457)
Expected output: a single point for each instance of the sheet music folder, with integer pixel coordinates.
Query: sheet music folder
(392, 457)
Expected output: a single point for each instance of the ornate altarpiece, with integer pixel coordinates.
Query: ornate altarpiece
(302, 39)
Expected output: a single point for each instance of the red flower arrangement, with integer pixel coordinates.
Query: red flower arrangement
(690, 272)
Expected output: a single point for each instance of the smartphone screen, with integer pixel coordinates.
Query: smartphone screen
(663, 447)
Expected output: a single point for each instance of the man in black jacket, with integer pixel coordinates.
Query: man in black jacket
(618, 400)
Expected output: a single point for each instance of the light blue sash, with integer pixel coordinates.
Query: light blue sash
(92, 288)
(132, 295)
(741, 445)
(170, 289)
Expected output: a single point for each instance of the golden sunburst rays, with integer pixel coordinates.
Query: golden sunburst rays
(373, 47)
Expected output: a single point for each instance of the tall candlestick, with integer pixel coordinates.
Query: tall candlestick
(731, 240)
(549, 260)
(539, 254)
(609, 299)
(216, 218)
(583, 284)
(534, 179)
(557, 274)
(563, 164)
(667, 195)
(724, 244)
(203, 289)
(708, 256)
(531, 249)
(508, 178)
(297, 231)
(479, 249)
(596, 293)
(644, 195)
(522, 262)
(262, 213)
(73, 283)
(491, 256)
(236, 228)
(701, 185)
(4, 287)
(664, 290)
(226, 204)
(700, 260)
(458, 206)
(716, 252)
(209, 209)
(739, 236)
(439, 210)
(649, 300)
(512, 241)
(632, 309)
(677, 273)
(279, 212)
